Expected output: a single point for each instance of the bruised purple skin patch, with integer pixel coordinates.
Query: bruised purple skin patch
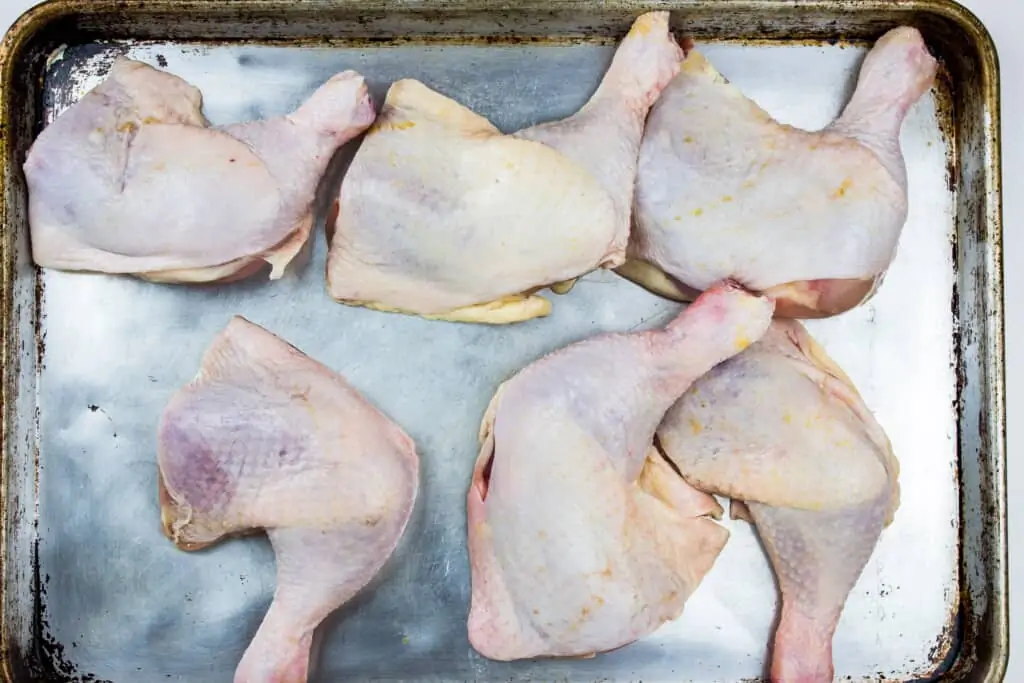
(220, 438)
(265, 438)
(191, 468)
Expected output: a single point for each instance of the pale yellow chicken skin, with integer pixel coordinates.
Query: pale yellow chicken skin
(132, 179)
(443, 216)
(811, 218)
(265, 437)
(781, 429)
(581, 538)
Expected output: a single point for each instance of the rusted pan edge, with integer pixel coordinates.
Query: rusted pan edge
(979, 633)
(978, 303)
(319, 20)
(21, 67)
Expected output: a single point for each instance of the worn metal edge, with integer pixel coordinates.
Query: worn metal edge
(993, 344)
(17, 36)
(15, 40)
(16, 49)
(8, 374)
(991, 355)
(948, 8)
(84, 13)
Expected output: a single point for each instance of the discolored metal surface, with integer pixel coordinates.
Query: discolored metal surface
(91, 590)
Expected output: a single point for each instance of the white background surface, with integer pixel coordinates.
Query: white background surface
(1002, 17)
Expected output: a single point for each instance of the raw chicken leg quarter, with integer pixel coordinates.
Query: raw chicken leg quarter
(132, 180)
(443, 216)
(812, 219)
(782, 430)
(581, 537)
(266, 438)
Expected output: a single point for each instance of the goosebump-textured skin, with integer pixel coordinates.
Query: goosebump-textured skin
(132, 180)
(781, 429)
(265, 437)
(812, 219)
(581, 537)
(443, 216)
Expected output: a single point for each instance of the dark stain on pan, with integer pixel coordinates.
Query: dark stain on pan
(66, 73)
(40, 328)
(46, 662)
(961, 380)
(945, 651)
(945, 112)
(947, 647)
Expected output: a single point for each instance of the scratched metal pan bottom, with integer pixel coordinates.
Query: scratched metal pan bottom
(92, 590)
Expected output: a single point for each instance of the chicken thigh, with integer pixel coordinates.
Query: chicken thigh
(810, 218)
(581, 537)
(131, 179)
(443, 216)
(782, 429)
(266, 438)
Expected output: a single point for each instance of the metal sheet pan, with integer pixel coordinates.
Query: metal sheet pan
(92, 591)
